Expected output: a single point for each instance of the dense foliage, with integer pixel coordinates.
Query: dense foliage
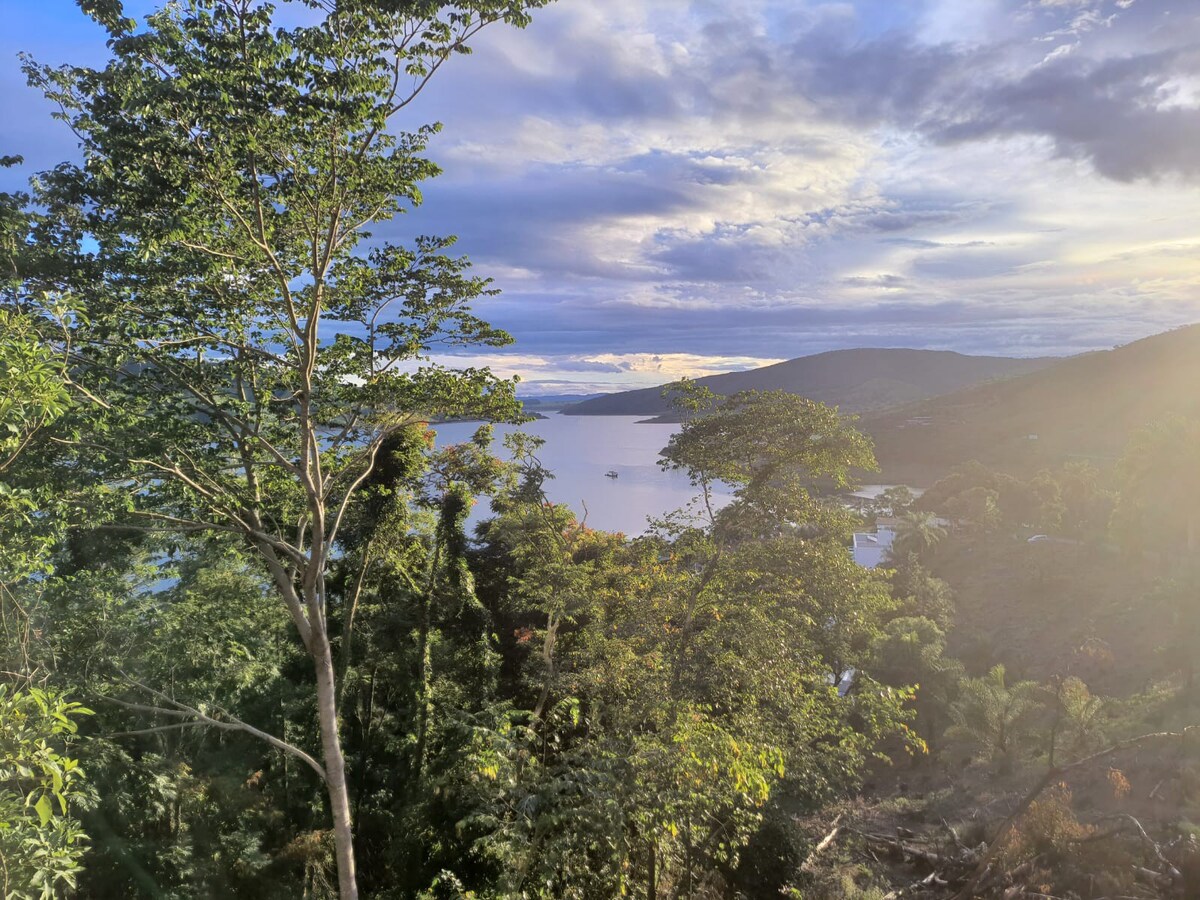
(239, 544)
(252, 648)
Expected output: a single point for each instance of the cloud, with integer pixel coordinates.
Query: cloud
(586, 365)
(1101, 101)
(884, 282)
(1105, 112)
(559, 373)
(661, 188)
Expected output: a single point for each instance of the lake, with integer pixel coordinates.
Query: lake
(579, 450)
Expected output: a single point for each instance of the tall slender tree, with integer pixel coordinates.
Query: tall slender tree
(239, 351)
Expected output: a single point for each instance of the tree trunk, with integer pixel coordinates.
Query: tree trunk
(368, 713)
(335, 766)
(425, 668)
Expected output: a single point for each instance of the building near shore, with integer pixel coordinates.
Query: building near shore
(871, 548)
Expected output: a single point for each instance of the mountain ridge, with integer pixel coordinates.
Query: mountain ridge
(856, 380)
(1082, 407)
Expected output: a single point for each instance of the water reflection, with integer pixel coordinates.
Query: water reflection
(579, 450)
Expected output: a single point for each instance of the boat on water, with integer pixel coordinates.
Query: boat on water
(611, 473)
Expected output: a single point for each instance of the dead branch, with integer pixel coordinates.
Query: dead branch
(1053, 774)
(823, 845)
(1173, 873)
(195, 717)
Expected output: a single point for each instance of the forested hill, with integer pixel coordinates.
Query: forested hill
(854, 380)
(1084, 407)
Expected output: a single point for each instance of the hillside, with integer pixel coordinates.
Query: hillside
(854, 380)
(1083, 407)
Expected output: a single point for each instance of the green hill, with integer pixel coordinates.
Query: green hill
(1083, 407)
(854, 380)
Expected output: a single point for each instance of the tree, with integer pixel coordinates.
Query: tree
(919, 593)
(964, 477)
(182, 811)
(1158, 512)
(1076, 717)
(1174, 601)
(897, 500)
(978, 506)
(237, 357)
(911, 650)
(1020, 504)
(670, 686)
(756, 437)
(40, 843)
(994, 716)
(1087, 502)
(689, 398)
(33, 394)
(917, 533)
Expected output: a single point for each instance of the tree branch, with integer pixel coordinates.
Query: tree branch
(182, 710)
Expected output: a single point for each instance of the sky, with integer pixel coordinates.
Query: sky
(681, 187)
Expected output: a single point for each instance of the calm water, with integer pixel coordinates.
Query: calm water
(580, 449)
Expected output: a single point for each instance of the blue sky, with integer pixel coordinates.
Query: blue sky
(669, 187)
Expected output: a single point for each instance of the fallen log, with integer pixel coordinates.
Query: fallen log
(908, 850)
(1158, 879)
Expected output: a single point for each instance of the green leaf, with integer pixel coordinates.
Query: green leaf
(45, 809)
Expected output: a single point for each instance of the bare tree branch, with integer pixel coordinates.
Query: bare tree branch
(178, 710)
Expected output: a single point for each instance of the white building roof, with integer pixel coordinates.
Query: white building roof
(871, 547)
